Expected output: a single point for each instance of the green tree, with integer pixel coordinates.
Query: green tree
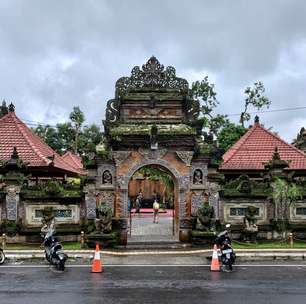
(229, 134)
(3, 109)
(50, 136)
(66, 135)
(284, 195)
(204, 92)
(89, 138)
(77, 117)
(254, 97)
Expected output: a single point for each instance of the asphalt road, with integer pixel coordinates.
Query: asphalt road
(151, 284)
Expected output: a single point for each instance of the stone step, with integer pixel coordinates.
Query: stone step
(134, 245)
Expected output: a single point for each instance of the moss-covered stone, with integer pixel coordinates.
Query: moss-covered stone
(256, 189)
(162, 129)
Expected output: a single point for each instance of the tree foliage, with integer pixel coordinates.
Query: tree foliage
(254, 96)
(71, 135)
(3, 109)
(229, 134)
(77, 118)
(284, 195)
(225, 131)
(204, 92)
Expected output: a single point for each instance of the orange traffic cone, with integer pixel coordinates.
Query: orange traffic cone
(215, 265)
(97, 264)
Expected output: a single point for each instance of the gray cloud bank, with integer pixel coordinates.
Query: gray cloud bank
(57, 54)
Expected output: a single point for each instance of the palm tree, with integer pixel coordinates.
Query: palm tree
(284, 195)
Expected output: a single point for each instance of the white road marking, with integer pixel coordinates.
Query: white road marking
(151, 265)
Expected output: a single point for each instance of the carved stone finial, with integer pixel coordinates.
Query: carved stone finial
(15, 154)
(11, 107)
(256, 120)
(276, 155)
(151, 75)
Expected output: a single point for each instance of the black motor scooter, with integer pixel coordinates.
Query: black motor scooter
(54, 251)
(224, 243)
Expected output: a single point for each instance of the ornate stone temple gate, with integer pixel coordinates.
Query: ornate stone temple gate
(152, 122)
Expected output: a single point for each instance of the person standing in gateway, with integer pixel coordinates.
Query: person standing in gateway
(155, 211)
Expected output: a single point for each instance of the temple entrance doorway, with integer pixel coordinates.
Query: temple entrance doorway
(150, 185)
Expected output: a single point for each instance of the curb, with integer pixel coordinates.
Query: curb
(203, 254)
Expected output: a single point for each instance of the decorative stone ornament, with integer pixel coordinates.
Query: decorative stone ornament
(152, 75)
(198, 177)
(120, 156)
(152, 154)
(12, 199)
(107, 178)
(185, 156)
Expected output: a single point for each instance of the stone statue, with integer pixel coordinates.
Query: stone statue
(103, 222)
(250, 227)
(198, 177)
(48, 220)
(107, 178)
(205, 216)
(244, 185)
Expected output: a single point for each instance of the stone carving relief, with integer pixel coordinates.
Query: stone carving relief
(123, 203)
(197, 198)
(151, 75)
(152, 154)
(214, 198)
(120, 156)
(90, 201)
(106, 175)
(185, 156)
(183, 182)
(112, 110)
(107, 178)
(12, 200)
(107, 197)
(198, 177)
(182, 203)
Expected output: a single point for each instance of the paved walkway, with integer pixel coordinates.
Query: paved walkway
(143, 228)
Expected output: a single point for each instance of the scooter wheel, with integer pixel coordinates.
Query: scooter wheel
(61, 266)
(2, 257)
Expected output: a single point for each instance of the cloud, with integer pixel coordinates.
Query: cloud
(57, 54)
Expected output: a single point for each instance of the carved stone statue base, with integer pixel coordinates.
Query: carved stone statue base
(249, 236)
(105, 240)
(203, 237)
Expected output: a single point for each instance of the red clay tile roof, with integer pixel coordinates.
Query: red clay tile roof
(257, 147)
(73, 160)
(30, 147)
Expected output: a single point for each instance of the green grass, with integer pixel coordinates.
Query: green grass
(269, 245)
(67, 245)
(236, 245)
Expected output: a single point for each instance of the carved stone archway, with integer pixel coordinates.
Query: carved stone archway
(180, 189)
(152, 121)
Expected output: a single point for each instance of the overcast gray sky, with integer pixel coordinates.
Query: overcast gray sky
(57, 54)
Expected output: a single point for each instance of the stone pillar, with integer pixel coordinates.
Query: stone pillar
(214, 198)
(123, 220)
(185, 224)
(12, 201)
(90, 201)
